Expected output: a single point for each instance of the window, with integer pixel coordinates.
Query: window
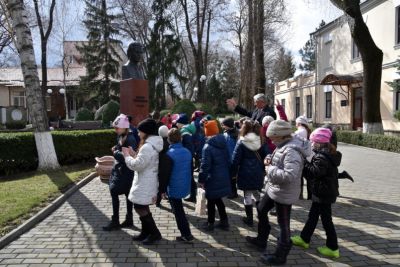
(297, 108)
(397, 26)
(18, 98)
(309, 106)
(397, 97)
(48, 103)
(355, 53)
(328, 105)
(283, 103)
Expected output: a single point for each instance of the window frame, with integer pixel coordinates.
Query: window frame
(309, 106)
(297, 106)
(328, 102)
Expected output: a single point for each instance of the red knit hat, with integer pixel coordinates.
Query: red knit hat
(211, 128)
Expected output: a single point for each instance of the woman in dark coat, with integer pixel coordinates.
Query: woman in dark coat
(121, 176)
(214, 175)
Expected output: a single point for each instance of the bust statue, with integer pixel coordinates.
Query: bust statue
(133, 69)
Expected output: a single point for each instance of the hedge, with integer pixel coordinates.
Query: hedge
(84, 115)
(382, 142)
(184, 106)
(18, 150)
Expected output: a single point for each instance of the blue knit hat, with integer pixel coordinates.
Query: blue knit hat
(183, 119)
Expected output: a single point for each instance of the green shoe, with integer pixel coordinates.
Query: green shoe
(327, 252)
(298, 241)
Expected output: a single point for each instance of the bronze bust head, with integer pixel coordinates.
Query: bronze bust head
(132, 69)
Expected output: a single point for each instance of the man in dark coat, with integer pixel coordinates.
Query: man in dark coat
(262, 108)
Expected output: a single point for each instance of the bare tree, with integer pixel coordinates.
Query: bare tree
(5, 33)
(37, 112)
(259, 20)
(247, 88)
(372, 57)
(44, 37)
(199, 15)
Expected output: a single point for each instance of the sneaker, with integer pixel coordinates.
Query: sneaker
(255, 242)
(185, 239)
(127, 224)
(208, 227)
(299, 242)
(327, 252)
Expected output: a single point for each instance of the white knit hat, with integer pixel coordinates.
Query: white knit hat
(302, 120)
(163, 131)
(267, 120)
(279, 128)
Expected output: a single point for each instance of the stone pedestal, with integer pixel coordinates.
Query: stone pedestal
(134, 99)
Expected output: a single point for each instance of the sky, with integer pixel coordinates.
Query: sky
(305, 16)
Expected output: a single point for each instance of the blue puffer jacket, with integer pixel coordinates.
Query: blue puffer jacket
(121, 176)
(231, 140)
(247, 162)
(214, 168)
(181, 176)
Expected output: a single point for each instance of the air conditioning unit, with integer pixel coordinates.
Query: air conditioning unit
(13, 114)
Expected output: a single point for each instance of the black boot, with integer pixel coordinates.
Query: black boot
(143, 233)
(154, 233)
(248, 220)
(113, 225)
(345, 175)
(128, 223)
(256, 242)
(278, 258)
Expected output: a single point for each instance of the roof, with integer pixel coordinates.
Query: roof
(332, 79)
(14, 77)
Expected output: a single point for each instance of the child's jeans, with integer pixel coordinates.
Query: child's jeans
(180, 216)
(211, 203)
(264, 228)
(325, 211)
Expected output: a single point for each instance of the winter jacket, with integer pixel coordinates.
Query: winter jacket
(145, 165)
(248, 162)
(257, 114)
(322, 174)
(121, 176)
(198, 138)
(164, 167)
(285, 171)
(231, 137)
(302, 132)
(135, 133)
(180, 178)
(187, 132)
(214, 169)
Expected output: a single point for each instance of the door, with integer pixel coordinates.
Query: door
(357, 108)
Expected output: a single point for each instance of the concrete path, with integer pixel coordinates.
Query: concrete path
(367, 219)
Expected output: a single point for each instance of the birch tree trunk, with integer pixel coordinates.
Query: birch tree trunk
(372, 58)
(34, 97)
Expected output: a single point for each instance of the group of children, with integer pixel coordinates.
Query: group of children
(254, 158)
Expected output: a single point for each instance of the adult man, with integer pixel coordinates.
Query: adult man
(262, 108)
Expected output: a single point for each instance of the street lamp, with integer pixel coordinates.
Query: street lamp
(203, 78)
(49, 91)
(62, 91)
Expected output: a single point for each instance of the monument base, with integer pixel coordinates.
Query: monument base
(134, 99)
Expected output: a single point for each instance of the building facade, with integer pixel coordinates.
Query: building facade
(333, 92)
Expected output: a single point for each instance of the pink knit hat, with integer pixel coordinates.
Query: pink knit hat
(121, 121)
(321, 135)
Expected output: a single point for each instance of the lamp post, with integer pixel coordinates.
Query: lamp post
(63, 92)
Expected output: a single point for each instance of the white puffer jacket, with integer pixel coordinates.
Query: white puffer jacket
(284, 174)
(145, 164)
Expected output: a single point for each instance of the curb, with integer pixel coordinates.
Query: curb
(42, 214)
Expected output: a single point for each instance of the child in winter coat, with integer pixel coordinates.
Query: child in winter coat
(322, 172)
(187, 131)
(214, 175)
(231, 136)
(178, 182)
(145, 185)
(121, 176)
(248, 165)
(165, 163)
(198, 137)
(283, 174)
(304, 132)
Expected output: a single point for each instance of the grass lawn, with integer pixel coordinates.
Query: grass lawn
(22, 195)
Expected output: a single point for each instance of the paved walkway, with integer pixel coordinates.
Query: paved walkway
(367, 219)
